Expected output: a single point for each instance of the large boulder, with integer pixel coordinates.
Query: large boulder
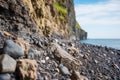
(27, 69)
(65, 58)
(13, 49)
(7, 64)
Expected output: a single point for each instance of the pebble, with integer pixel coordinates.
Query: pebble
(115, 66)
(47, 58)
(57, 70)
(95, 61)
(31, 55)
(64, 70)
(43, 61)
(104, 55)
(85, 57)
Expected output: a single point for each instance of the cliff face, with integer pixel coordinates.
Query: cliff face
(46, 17)
(80, 33)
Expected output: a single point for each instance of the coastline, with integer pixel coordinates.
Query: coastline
(110, 43)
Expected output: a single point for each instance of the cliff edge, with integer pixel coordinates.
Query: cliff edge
(46, 17)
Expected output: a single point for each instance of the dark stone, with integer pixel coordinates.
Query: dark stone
(5, 77)
(12, 49)
(0, 50)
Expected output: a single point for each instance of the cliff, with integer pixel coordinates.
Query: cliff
(80, 33)
(46, 17)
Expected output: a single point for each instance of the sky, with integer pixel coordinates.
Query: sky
(100, 18)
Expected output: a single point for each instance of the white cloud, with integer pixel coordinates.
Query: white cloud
(99, 14)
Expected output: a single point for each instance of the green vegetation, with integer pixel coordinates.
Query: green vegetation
(60, 8)
(77, 25)
(61, 17)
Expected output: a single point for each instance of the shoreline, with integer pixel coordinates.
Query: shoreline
(101, 42)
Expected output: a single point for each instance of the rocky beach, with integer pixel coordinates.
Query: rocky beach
(59, 60)
(39, 40)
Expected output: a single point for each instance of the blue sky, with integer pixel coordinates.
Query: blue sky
(100, 18)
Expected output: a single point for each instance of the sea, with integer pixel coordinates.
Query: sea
(113, 43)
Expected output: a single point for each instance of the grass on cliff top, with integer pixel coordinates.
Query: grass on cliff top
(60, 8)
(77, 25)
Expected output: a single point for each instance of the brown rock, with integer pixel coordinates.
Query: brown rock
(73, 51)
(65, 58)
(7, 64)
(27, 69)
(85, 57)
(25, 45)
(76, 76)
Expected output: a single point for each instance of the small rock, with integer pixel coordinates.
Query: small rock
(76, 76)
(95, 61)
(12, 49)
(54, 40)
(31, 55)
(115, 66)
(47, 58)
(5, 77)
(104, 55)
(112, 52)
(43, 61)
(46, 78)
(64, 70)
(85, 57)
(73, 51)
(7, 64)
(62, 44)
(71, 44)
(27, 69)
(57, 70)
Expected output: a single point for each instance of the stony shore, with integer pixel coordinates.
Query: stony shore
(58, 60)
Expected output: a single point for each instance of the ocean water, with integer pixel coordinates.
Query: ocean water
(114, 43)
